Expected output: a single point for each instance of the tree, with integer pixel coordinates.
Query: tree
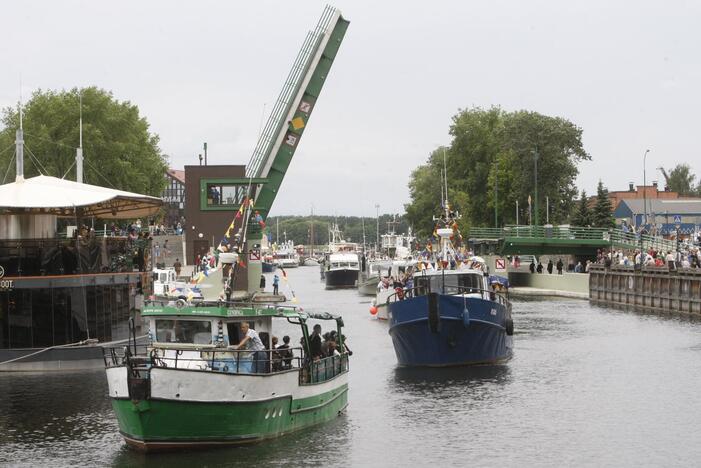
(582, 217)
(602, 215)
(681, 180)
(119, 151)
(493, 148)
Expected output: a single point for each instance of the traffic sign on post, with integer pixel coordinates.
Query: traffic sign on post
(677, 219)
(500, 264)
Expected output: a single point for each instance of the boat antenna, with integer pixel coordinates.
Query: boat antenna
(79, 150)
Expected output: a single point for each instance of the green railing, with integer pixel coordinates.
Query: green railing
(591, 235)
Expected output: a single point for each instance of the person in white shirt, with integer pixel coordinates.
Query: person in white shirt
(252, 342)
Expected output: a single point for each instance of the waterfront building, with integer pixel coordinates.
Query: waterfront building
(61, 282)
(663, 216)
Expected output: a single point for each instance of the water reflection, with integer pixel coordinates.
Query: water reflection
(322, 445)
(427, 380)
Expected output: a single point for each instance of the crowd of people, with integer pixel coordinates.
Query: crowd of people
(280, 356)
(672, 259)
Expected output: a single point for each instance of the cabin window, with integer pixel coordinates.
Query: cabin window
(466, 283)
(183, 331)
(164, 278)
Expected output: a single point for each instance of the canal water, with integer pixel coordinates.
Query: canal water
(586, 386)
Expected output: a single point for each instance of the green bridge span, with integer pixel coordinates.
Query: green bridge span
(543, 240)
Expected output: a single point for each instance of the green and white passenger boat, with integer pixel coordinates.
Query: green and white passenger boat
(190, 385)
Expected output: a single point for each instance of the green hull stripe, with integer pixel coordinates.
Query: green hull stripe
(173, 422)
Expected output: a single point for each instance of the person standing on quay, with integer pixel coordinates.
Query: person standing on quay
(276, 284)
(178, 266)
(550, 266)
(532, 266)
(559, 266)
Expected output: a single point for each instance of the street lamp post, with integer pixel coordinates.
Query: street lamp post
(535, 177)
(377, 241)
(496, 199)
(640, 231)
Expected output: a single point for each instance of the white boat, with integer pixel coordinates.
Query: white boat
(394, 248)
(341, 265)
(166, 285)
(286, 256)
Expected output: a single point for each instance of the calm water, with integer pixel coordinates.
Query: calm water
(587, 386)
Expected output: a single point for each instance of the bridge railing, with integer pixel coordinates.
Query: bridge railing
(615, 237)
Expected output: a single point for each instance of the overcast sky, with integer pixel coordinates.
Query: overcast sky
(628, 73)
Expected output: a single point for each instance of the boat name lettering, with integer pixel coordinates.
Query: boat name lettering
(6, 285)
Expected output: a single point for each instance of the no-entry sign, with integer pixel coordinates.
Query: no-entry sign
(500, 264)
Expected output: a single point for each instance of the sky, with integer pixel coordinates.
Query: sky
(627, 73)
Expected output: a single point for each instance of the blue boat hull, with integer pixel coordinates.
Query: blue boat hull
(268, 267)
(464, 331)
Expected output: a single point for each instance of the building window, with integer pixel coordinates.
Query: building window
(225, 194)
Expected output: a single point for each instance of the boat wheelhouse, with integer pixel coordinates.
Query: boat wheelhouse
(341, 265)
(192, 386)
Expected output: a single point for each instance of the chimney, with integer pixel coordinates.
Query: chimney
(631, 187)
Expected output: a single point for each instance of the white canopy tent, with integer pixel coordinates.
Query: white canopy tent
(60, 197)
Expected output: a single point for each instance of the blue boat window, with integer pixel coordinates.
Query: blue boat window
(460, 283)
(183, 331)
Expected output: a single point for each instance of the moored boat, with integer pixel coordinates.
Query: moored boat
(192, 386)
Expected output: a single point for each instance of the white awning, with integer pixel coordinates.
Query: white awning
(51, 195)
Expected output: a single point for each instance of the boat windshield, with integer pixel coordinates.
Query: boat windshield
(184, 331)
(461, 283)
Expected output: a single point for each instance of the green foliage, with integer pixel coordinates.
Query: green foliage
(298, 229)
(496, 148)
(602, 214)
(582, 217)
(118, 148)
(681, 180)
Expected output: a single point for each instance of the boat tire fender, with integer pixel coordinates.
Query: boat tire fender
(434, 314)
(509, 325)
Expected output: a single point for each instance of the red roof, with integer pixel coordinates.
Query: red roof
(176, 174)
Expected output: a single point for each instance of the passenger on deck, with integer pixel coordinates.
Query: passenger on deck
(252, 342)
(285, 353)
(315, 343)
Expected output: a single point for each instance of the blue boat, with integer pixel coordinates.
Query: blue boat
(455, 313)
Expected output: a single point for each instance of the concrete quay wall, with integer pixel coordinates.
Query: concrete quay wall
(650, 288)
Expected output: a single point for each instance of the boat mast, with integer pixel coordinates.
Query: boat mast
(19, 145)
(79, 150)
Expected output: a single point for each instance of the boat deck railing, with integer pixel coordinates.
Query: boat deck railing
(402, 294)
(324, 369)
(211, 358)
(227, 360)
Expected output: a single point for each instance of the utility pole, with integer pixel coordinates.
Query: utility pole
(205, 153)
(516, 212)
(535, 176)
(547, 210)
